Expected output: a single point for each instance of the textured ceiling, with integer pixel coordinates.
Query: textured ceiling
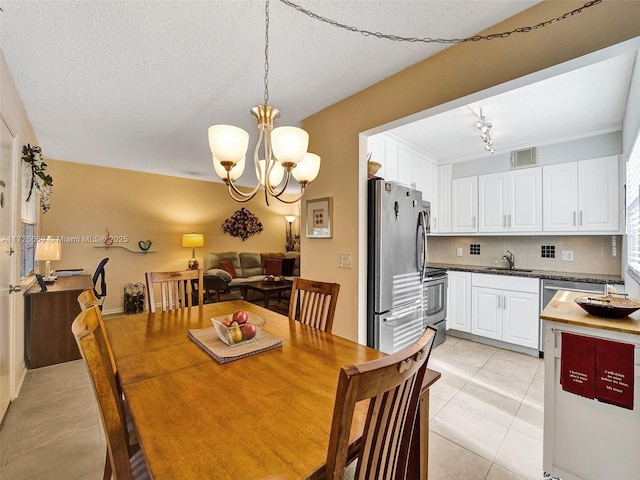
(136, 84)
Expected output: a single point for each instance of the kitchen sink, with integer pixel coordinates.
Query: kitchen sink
(507, 269)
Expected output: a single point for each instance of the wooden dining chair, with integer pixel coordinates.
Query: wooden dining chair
(313, 303)
(87, 299)
(123, 461)
(176, 288)
(393, 386)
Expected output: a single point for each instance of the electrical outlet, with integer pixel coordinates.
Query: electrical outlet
(344, 259)
(567, 256)
(459, 252)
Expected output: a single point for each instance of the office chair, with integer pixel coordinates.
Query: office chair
(103, 285)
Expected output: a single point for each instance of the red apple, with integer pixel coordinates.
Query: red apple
(227, 323)
(240, 316)
(249, 331)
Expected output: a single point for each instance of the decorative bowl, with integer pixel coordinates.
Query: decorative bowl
(609, 307)
(226, 334)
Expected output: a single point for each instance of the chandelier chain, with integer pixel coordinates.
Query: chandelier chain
(266, 53)
(475, 38)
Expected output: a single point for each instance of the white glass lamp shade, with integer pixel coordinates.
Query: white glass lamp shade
(307, 170)
(277, 172)
(289, 144)
(228, 143)
(234, 173)
(290, 218)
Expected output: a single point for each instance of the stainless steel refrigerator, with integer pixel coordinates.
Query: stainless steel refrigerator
(396, 265)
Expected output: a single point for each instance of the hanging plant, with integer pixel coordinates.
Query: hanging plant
(242, 224)
(36, 176)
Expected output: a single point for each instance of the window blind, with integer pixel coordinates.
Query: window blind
(633, 210)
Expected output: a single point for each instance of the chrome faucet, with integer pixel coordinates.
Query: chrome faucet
(509, 258)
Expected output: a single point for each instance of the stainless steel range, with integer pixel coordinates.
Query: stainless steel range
(435, 302)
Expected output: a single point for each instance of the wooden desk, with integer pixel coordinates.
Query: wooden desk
(47, 321)
(265, 416)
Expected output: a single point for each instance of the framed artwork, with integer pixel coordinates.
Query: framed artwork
(319, 218)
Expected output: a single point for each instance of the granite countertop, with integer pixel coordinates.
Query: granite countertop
(563, 309)
(544, 274)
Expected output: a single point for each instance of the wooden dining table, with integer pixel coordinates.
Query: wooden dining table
(265, 416)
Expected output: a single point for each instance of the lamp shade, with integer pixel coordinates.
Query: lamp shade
(50, 249)
(193, 240)
(234, 173)
(289, 144)
(290, 218)
(307, 170)
(228, 143)
(277, 172)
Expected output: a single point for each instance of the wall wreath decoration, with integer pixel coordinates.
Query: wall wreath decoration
(242, 224)
(36, 175)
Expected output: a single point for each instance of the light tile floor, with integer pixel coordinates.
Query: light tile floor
(486, 419)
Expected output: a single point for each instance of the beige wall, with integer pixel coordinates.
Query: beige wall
(88, 199)
(456, 72)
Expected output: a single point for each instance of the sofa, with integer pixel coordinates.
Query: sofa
(226, 271)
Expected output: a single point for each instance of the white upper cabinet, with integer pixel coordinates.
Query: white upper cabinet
(510, 201)
(441, 216)
(464, 204)
(582, 196)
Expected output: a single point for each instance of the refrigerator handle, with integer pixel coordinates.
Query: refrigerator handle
(422, 256)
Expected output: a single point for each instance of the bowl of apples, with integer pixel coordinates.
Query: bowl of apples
(238, 327)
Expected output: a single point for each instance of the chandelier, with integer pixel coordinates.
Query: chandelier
(485, 125)
(280, 153)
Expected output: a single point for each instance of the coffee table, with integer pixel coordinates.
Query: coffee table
(267, 289)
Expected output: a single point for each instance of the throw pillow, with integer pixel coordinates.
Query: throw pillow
(264, 256)
(227, 266)
(218, 272)
(287, 266)
(273, 266)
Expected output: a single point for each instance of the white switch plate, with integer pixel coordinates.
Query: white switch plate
(567, 256)
(344, 259)
(459, 251)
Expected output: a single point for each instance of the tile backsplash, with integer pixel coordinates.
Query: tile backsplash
(589, 253)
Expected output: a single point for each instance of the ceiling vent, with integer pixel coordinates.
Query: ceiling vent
(524, 158)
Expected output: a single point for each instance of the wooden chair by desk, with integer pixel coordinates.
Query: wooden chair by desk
(123, 462)
(317, 303)
(176, 288)
(393, 386)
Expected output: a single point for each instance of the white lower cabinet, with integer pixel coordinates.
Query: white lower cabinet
(459, 301)
(505, 308)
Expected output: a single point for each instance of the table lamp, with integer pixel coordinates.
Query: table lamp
(193, 240)
(49, 249)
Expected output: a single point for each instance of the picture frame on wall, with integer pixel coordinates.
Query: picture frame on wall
(319, 218)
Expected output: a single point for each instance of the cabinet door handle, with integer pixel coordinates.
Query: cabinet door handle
(504, 220)
(498, 298)
(504, 303)
(435, 223)
(574, 218)
(580, 217)
(473, 224)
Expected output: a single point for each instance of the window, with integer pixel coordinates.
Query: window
(27, 246)
(633, 211)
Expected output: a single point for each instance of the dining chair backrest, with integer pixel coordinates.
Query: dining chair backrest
(313, 303)
(93, 348)
(176, 288)
(393, 386)
(87, 300)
